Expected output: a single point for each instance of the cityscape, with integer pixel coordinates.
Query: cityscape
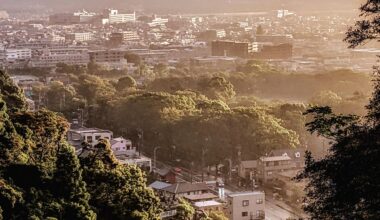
(144, 110)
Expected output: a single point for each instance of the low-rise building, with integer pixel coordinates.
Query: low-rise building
(138, 159)
(109, 59)
(208, 206)
(268, 167)
(214, 62)
(50, 57)
(18, 54)
(179, 190)
(122, 146)
(115, 17)
(79, 37)
(91, 136)
(246, 205)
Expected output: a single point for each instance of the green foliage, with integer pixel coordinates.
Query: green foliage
(74, 69)
(161, 70)
(260, 30)
(126, 83)
(133, 58)
(42, 178)
(69, 186)
(366, 29)
(214, 215)
(188, 119)
(218, 88)
(184, 210)
(93, 89)
(11, 94)
(118, 191)
(61, 98)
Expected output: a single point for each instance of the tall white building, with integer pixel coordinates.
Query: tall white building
(115, 17)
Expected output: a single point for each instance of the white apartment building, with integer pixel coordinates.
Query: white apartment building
(121, 146)
(246, 206)
(221, 33)
(18, 54)
(130, 36)
(115, 17)
(158, 22)
(69, 55)
(79, 37)
(89, 135)
(85, 16)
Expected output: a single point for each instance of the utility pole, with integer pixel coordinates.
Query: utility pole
(229, 169)
(203, 162)
(155, 158)
(204, 150)
(141, 139)
(191, 171)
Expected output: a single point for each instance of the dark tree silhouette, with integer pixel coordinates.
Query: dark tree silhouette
(346, 183)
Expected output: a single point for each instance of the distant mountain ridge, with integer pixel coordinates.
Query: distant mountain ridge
(183, 6)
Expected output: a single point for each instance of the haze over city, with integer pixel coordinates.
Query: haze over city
(189, 110)
(193, 6)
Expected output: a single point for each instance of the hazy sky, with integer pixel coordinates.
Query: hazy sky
(186, 5)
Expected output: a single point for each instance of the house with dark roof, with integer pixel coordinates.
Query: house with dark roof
(181, 189)
(297, 156)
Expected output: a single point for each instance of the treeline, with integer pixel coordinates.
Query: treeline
(183, 122)
(256, 78)
(42, 178)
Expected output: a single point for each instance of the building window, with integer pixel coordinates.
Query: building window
(89, 139)
(244, 214)
(260, 213)
(245, 202)
(97, 137)
(259, 201)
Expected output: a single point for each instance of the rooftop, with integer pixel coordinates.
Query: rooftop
(275, 158)
(201, 196)
(89, 130)
(249, 163)
(159, 185)
(251, 193)
(207, 203)
(186, 187)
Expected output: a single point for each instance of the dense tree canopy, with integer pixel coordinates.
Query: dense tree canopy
(41, 177)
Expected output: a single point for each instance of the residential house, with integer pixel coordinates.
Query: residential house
(91, 136)
(167, 175)
(179, 190)
(208, 206)
(121, 146)
(268, 167)
(297, 155)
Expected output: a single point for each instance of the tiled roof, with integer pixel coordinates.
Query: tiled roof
(186, 187)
